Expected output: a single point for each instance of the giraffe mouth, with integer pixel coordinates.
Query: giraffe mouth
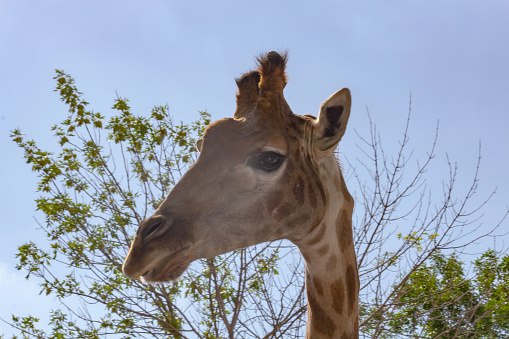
(169, 268)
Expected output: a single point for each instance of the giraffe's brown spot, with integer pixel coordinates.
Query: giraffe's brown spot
(298, 191)
(321, 191)
(312, 196)
(302, 167)
(316, 222)
(332, 263)
(323, 250)
(298, 220)
(337, 290)
(283, 211)
(351, 287)
(344, 230)
(317, 284)
(321, 322)
(318, 236)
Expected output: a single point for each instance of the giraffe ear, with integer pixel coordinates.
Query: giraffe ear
(332, 120)
(199, 142)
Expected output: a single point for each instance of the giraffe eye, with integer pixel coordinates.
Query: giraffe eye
(267, 161)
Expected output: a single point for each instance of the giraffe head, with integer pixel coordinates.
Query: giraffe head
(258, 178)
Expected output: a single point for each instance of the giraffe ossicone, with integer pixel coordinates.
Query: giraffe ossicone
(265, 174)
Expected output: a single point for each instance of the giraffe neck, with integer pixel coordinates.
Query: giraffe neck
(331, 268)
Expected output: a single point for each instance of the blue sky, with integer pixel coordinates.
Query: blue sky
(451, 55)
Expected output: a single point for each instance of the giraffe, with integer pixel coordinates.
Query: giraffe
(265, 174)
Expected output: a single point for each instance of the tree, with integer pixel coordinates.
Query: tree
(110, 174)
(397, 202)
(439, 300)
(94, 194)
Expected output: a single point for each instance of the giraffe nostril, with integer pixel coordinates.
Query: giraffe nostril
(155, 226)
(152, 225)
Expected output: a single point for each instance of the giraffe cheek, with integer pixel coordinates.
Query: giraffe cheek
(273, 201)
(283, 211)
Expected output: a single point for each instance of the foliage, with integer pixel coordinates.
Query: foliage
(109, 174)
(94, 194)
(409, 289)
(439, 299)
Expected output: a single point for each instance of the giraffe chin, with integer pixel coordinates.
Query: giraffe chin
(170, 269)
